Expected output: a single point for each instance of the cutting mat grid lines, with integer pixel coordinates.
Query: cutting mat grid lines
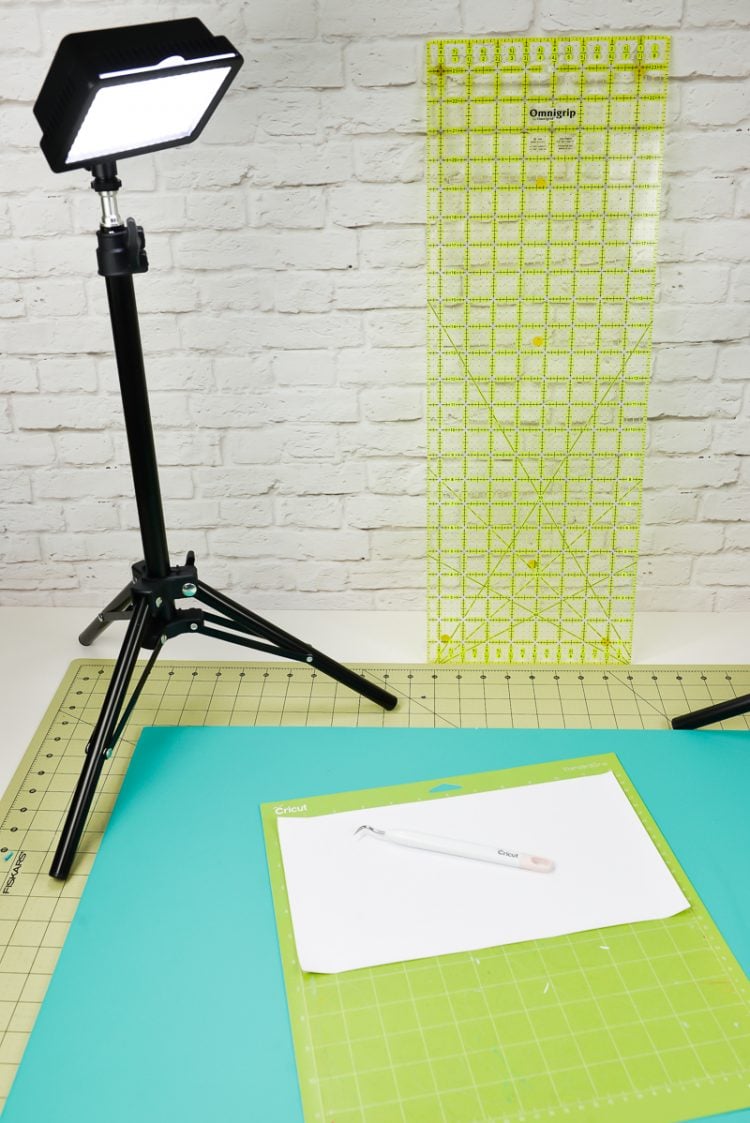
(567, 1040)
(639, 1020)
(36, 911)
(543, 174)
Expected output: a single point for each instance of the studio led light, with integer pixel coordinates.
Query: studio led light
(111, 94)
(129, 90)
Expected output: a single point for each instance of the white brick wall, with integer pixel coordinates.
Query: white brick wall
(283, 317)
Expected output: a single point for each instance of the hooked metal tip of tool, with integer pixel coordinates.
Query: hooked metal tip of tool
(374, 830)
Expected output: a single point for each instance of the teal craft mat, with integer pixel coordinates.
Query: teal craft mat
(168, 1000)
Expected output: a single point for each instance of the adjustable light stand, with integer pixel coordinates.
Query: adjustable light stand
(148, 603)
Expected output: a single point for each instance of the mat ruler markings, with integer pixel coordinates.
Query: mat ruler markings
(35, 911)
(543, 176)
(593, 1023)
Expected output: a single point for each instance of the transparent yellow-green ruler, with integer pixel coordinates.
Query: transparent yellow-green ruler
(543, 171)
(645, 1022)
(35, 911)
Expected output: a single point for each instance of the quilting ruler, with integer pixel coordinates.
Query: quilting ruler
(543, 174)
(36, 911)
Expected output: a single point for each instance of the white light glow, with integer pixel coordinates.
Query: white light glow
(132, 115)
(173, 60)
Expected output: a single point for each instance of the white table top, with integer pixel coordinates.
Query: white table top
(39, 643)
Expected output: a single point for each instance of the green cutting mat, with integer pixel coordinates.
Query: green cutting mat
(543, 173)
(35, 911)
(591, 1024)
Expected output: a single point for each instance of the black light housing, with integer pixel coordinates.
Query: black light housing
(124, 91)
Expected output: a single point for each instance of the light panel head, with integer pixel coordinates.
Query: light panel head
(129, 90)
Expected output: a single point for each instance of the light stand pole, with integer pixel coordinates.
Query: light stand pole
(148, 603)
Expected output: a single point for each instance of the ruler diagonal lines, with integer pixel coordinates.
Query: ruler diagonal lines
(544, 163)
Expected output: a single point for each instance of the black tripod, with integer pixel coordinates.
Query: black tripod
(148, 603)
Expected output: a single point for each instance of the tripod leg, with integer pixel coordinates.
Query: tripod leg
(115, 610)
(294, 648)
(101, 740)
(133, 701)
(721, 711)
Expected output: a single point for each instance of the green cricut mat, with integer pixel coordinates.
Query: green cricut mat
(600, 1024)
(543, 180)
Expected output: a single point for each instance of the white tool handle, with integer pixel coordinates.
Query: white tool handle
(459, 849)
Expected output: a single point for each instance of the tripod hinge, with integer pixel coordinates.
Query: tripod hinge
(181, 581)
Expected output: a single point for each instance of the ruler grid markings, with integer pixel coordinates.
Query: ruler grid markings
(540, 283)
